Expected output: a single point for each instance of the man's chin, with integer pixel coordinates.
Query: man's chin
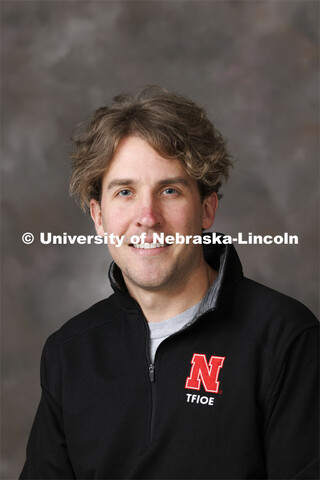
(151, 282)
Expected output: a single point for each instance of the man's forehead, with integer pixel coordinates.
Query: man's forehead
(136, 159)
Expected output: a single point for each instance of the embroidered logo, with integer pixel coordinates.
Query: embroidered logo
(205, 373)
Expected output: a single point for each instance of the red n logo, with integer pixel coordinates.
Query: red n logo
(206, 373)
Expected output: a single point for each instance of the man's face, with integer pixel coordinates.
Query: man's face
(143, 192)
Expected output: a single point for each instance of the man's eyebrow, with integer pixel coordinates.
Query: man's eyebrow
(119, 182)
(170, 180)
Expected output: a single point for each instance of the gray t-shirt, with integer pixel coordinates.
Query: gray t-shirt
(159, 331)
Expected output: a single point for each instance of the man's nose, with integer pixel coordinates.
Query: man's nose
(148, 214)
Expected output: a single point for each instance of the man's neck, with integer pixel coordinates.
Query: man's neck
(165, 303)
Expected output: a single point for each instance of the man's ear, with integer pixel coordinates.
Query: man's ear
(95, 212)
(209, 207)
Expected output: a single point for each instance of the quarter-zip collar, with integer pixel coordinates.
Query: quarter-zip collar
(222, 258)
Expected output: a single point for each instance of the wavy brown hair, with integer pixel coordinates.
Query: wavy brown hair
(172, 124)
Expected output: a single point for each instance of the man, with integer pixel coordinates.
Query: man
(189, 370)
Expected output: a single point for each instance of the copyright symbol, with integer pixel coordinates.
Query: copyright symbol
(27, 238)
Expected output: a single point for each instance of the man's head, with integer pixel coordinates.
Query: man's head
(152, 163)
(171, 124)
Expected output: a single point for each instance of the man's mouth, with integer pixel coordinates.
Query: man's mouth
(147, 245)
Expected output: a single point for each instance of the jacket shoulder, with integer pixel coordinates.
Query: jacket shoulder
(274, 318)
(99, 314)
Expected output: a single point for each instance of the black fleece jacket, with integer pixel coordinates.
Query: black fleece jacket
(233, 395)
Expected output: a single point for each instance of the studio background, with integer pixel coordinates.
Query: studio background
(252, 64)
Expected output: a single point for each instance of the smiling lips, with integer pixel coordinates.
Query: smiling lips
(148, 246)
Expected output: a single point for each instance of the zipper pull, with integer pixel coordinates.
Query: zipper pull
(151, 372)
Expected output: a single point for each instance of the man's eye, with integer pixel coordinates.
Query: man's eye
(169, 191)
(124, 193)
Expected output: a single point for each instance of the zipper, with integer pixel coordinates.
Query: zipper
(153, 399)
(151, 370)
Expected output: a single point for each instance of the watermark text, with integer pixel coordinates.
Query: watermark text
(161, 239)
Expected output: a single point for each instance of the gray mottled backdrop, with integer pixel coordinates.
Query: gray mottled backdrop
(252, 64)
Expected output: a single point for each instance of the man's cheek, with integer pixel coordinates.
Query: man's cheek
(111, 225)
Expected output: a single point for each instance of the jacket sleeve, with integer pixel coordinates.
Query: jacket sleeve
(292, 430)
(47, 453)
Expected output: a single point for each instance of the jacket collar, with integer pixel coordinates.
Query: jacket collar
(222, 258)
